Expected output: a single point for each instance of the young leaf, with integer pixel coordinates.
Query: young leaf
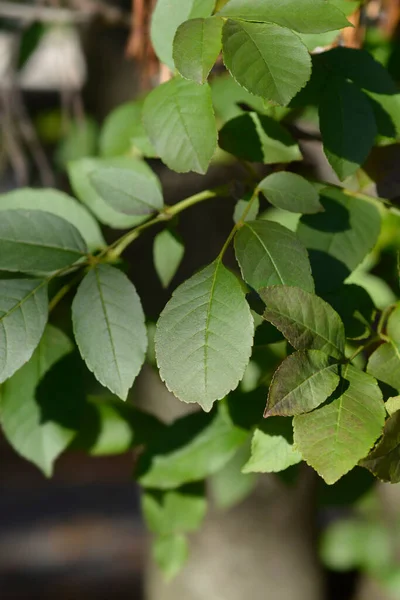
(109, 328)
(80, 172)
(340, 237)
(123, 132)
(258, 138)
(166, 18)
(204, 337)
(269, 254)
(307, 16)
(348, 126)
(35, 241)
(37, 440)
(306, 321)
(384, 460)
(176, 511)
(168, 252)
(179, 119)
(272, 448)
(197, 45)
(129, 192)
(170, 552)
(291, 192)
(191, 449)
(332, 439)
(384, 364)
(59, 204)
(267, 60)
(23, 316)
(303, 381)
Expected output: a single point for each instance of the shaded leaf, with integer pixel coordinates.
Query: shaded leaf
(347, 231)
(191, 449)
(302, 382)
(272, 448)
(384, 460)
(59, 204)
(109, 328)
(307, 16)
(348, 126)
(204, 337)
(36, 241)
(267, 60)
(38, 440)
(334, 438)
(258, 138)
(242, 205)
(291, 192)
(306, 321)
(168, 252)
(80, 172)
(23, 316)
(179, 119)
(230, 486)
(197, 44)
(166, 18)
(269, 254)
(129, 192)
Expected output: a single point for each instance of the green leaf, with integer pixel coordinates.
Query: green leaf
(123, 132)
(167, 16)
(348, 7)
(384, 460)
(269, 254)
(340, 237)
(129, 192)
(393, 325)
(302, 382)
(333, 439)
(272, 448)
(307, 16)
(291, 192)
(59, 204)
(258, 138)
(176, 511)
(227, 95)
(109, 328)
(179, 119)
(170, 552)
(168, 252)
(80, 177)
(384, 364)
(389, 112)
(355, 308)
(348, 126)
(267, 60)
(40, 441)
(306, 321)
(36, 241)
(392, 405)
(191, 449)
(80, 140)
(204, 337)
(197, 45)
(242, 205)
(23, 316)
(229, 486)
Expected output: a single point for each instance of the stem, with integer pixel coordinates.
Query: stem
(64, 291)
(239, 224)
(363, 347)
(117, 248)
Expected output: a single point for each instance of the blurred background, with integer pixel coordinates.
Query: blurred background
(65, 65)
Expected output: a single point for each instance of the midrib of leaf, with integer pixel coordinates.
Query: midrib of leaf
(24, 299)
(175, 97)
(266, 250)
(208, 318)
(103, 305)
(263, 60)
